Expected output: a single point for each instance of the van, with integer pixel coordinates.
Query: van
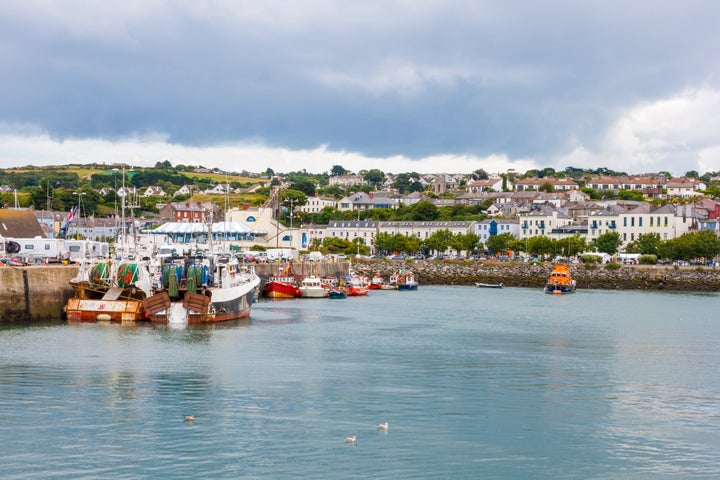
(274, 254)
(167, 253)
(314, 257)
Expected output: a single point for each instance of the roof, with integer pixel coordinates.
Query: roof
(19, 223)
(186, 227)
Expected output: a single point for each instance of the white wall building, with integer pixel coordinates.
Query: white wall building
(541, 220)
(316, 204)
(497, 226)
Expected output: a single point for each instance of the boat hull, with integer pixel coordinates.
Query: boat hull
(275, 289)
(221, 305)
(407, 287)
(314, 292)
(559, 289)
(87, 311)
(357, 291)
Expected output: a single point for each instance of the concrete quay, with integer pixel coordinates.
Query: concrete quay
(35, 293)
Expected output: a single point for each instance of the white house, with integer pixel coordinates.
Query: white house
(154, 191)
(219, 189)
(497, 226)
(684, 187)
(346, 180)
(352, 229)
(185, 190)
(491, 184)
(356, 201)
(541, 220)
(317, 203)
(556, 183)
(423, 230)
(669, 221)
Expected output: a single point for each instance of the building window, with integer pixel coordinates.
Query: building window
(639, 221)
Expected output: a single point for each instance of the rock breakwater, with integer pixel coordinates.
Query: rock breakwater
(512, 274)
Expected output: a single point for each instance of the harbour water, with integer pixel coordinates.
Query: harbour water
(474, 383)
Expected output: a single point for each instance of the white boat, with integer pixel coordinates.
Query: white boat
(312, 287)
(404, 280)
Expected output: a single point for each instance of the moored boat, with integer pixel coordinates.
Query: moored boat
(355, 285)
(376, 282)
(282, 285)
(406, 281)
(278, 286)
(560, 281)
(203, 290)
(488, 285)
(109, 291)
(336, 293)
(312, 287)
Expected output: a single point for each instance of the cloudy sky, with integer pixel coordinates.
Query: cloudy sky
(399, 85)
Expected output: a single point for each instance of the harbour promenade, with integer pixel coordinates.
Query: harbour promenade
(39, 293)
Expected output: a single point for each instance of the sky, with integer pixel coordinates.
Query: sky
(399, 85)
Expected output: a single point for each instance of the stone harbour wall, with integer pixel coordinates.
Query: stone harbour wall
(36, 293)
(512, 274)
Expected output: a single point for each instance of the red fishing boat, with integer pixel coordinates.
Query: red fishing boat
(356, 285)
(282, 285)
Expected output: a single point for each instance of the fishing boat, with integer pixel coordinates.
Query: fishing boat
(560, 281)
(109, 291)
(406, 281)
(355, 285)
(312, 287)
(376, 282)
(202, 290)
(282, 285)
(488, 285)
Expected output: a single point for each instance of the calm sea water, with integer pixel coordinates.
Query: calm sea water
(475, 383)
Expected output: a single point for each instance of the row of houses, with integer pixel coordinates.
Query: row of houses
(158, 191)
(533, 214)
(650, 185)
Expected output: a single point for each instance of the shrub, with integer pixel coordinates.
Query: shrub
(591, 258)
(647, 260)
(590, 266)
(612, 266)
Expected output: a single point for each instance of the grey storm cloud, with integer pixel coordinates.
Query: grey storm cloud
(526, 79)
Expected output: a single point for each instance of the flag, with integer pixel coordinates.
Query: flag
(72, 213)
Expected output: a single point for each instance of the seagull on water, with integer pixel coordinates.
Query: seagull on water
(382, 426)
(352, 439)
(189, 418)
